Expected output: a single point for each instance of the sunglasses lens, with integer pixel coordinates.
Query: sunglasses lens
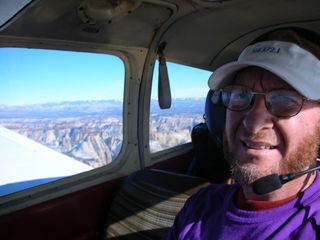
(284, 103)
(236, 98)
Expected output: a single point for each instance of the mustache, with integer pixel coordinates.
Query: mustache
(261, 136)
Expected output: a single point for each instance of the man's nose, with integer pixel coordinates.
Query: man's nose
(258, 117)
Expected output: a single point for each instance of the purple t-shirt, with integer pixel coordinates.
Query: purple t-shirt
(211, 214)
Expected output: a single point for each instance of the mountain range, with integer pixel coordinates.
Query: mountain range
(91, 131)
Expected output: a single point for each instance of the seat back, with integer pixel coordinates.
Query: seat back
(209, 161)
(146, 205)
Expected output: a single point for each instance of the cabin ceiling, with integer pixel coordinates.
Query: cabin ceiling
(198, 33)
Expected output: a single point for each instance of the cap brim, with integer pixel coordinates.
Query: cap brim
(225, 74)
(294, 65)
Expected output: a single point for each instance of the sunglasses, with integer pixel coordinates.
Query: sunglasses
(280, 102)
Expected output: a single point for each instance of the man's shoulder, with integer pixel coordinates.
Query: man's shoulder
(208, 201)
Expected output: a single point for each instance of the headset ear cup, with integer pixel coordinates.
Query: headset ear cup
(215, 114)
(216, 97)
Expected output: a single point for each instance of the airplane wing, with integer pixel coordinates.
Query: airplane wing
(25, 163)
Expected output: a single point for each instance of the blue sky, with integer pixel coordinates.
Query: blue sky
(184, 81)
(30, 76)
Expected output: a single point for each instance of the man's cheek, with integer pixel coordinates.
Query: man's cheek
(231, 126)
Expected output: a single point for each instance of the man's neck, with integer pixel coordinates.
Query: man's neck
(254, 205)
(291, 188)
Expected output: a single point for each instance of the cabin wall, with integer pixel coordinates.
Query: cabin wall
(80, 215)
(178, 164)
(77, 216)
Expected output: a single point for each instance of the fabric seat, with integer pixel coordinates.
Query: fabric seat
(147, 203)
(209, 161)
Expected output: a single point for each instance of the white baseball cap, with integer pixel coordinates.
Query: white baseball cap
(296, 66)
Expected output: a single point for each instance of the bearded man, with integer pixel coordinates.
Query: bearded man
(272, 130)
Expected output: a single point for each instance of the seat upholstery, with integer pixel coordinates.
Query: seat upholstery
(209, 161)
(147, 203)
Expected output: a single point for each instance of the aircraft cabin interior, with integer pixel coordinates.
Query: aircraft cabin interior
(104, 108)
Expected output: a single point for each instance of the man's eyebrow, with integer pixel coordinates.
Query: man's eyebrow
(272, 86)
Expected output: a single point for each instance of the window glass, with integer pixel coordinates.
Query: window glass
(9, 8)
(172, 127)
(60, 114)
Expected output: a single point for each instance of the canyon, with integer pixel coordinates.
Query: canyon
(92, 131)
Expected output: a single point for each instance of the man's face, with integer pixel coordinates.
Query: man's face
(258, 143)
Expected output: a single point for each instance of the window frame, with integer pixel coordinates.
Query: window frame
(121, 166)
(182, 148)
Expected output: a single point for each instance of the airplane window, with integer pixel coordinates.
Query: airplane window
(60, 114)
(172, 127)
(9, 8)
